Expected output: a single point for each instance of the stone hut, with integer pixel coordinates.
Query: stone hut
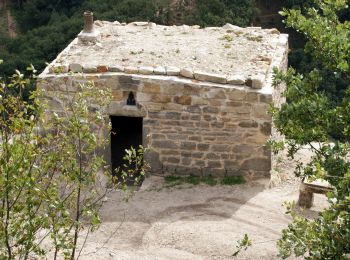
(196, 97)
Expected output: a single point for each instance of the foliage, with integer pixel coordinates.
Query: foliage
(242, 244)
(219, 12)
(50, 170)
(313, 116)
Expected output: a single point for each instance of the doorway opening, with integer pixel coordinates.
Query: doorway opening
(126, 133)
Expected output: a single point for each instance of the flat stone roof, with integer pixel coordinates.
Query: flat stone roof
(225, 55)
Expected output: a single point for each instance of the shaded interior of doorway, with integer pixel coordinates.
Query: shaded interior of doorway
(126, 133)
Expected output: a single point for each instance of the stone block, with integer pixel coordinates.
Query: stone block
(215, 78)
(75, 67)
(257, 164)
(256, 81)
(200, 163)
(212, 110)
(160, 98)
(172, 71)
(159, 70)
(117, 95)
(115, 68)
(128, 80)
(202, 147)
(174, 160)
(248, 124)
(146, 70)
(221, 148)
(214, 164)
(217, 124)
(131, 70)
(151, 87)
(243, 149)
(194, 109)
(173, 115)
(164, 144)
(197, 138)
(236, 80)
(265, 98)
(236, 94)
(187, 73)
(89, 69)
(186, 161)
(252, 97)
(152, 158)
(188, 145)
(212, 156)
(183, 100)
(102, 68)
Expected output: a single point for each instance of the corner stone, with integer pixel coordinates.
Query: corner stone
(187, 73)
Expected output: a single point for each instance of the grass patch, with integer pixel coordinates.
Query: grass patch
(232, 180)
(171, 181)
(209, 180)
(227, 37)
(194, 180)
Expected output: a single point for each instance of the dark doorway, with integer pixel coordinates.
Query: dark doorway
(126, 133)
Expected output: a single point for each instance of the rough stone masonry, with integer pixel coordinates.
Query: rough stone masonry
(203, 93)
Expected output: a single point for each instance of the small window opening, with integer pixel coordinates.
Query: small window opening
(131, 100)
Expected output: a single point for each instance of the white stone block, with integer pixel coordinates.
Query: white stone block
(115, 68)
(159, 70)
(146, 70)
(215, 78)
(172, 71)
(236, 80)
(89, 69)
(131, 70)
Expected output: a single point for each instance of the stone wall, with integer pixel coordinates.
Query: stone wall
(191, 127)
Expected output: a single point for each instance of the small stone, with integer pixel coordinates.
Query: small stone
(196, 26)
(75, 67)
(236, 80)
(172, 71)
(89, 69)
(115, 68)
(146, 70)
(159, 70)
(215, 78)
(116, 23)
(102, 68)
(232, 27)
(187, 73)
(131, 70)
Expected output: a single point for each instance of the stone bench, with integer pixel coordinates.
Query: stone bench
(307, 190)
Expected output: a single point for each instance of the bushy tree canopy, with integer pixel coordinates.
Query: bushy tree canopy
(314, 116)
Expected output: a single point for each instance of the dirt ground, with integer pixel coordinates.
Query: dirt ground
(195, 222)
